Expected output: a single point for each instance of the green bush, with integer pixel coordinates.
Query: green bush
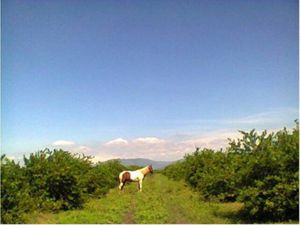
(273, 199)
(208, 171)
(273, 171)
(53, 177)
(261, 170)
(101, 177)
(175, 170)
(52, 180)
(15, 192)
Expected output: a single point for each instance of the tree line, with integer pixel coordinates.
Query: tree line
(259, 170)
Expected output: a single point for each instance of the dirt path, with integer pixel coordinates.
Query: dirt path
(129, 216)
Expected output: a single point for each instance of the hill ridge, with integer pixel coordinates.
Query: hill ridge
(144, 161)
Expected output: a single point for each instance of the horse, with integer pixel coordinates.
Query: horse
(137, 176)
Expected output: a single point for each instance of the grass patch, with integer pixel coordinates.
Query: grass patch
(109, 209)
(162, 201)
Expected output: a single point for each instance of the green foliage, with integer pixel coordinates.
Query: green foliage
(133, 167)
(15, 192)
(52, 180)
(272, 199)
(101, 177)
(262, 171)
(53, 177)
(175, 171)
(273, 172)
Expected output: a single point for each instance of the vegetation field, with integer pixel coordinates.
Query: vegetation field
(254, 180)
(162, 201)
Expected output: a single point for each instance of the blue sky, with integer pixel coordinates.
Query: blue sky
(84, 75)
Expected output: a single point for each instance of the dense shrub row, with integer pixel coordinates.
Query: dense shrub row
(52, 180)
(262, 171)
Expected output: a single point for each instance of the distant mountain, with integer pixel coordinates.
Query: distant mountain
(144, 162)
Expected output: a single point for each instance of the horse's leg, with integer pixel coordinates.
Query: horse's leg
(121, 185)
(140, 185)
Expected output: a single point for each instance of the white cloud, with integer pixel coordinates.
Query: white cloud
(63, 143)
(116, 142)
(148, 140)
(102, 157)
(214, 140)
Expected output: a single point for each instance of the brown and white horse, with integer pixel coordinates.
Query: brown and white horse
(137, 176)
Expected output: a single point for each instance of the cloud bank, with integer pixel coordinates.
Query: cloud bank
(176, 145)
(152, 147)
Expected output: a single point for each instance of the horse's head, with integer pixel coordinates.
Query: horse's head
(150, 168)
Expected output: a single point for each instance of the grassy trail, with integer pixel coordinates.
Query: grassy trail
(162, 201)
